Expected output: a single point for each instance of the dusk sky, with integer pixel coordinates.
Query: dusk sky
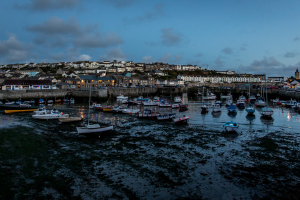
(247, 36)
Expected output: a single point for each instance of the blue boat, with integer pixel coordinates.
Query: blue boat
(240, 103)
(250, 110)
(18, 101)
(41, 101)
(231, 126)
(232, 109)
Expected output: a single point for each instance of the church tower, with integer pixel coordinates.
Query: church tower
(297, 74)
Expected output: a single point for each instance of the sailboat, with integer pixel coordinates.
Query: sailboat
(92, 128)
(204, 108)
(266, 111)
(250, 109)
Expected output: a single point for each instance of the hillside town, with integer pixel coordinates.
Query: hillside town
(75, 75)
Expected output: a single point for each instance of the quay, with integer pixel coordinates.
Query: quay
(111, 93)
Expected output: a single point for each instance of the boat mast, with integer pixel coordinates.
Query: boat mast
(89, 105)
(266, 93)
(202, 94)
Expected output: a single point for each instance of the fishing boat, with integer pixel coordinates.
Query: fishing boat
(177, 99)
(182, 120)
(72, 100)
(183, 107)
(165, 105)
(216, 108)
(92, 128)
(232, 109)
(148, 114)
(225, 97)
(122, 97)
(54, 114)
(240, 103)
(98, 107)
(231, 126)
(149, 103)
(41, 101)
(165, 117)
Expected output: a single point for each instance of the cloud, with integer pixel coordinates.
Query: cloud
(165, 58)
(291, 54)
(244, 47)
(84, 57)
(12, 50)
(44, 5)
(113, 54)
(56, 32)
(170, 37)
(199, 55)
(296, 38)
(120, 3)
(168, 58)
(227, 51)
(147, 59)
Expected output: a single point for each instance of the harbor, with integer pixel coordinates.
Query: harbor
(147, 158)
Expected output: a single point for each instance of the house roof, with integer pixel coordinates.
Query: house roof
(94, 77)
(26, 82)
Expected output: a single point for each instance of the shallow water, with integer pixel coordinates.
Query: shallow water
(148, 159)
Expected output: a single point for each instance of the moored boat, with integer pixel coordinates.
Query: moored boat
(182, 120)
(165, 117)
(250, 110)
(177, 99)
(267, 112)
(41, 101)
(216, 108)
(183, 107)
(232, 109)
(72, 100)
(225, 97)
(148, 114)
(231, 126)
(54, 114)
(122, 97)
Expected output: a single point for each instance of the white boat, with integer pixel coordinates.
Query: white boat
(216, 108)
(231, 126)
(10, 102)
(54, 114)
(163, 104)
(228, 96)
(204, 109)
(156, 99)
(165, 117)
(250, 110)
(92, 128)
(209, 96)
(121, 97)
(72, 101)
(175, 105)
(177, 99)
(267, 112)
(240, 103)
(260, 103)
(50, 101)
(228, 102)
(149, 103)
(39, 110)
(124, 101)
(131, 111)
(243, 98)
(118, 109)
(291, 103)
(182, 120)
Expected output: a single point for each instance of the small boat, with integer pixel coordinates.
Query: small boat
(98, 107)
(219, 102)
(228, 96)
(228, 102)
(39, 110)
(165, 117)
(267, 112)
(66, 100)
(141, 98)
(50, 101)
(156, 99)
(118, 109)
(209, 96)
(240, 103)
(41, 101)
(32, 101)
(175, 105)
(232, 109)
(72, 100)
(165, 105)
(10, 102)
(67, 118)
(149, 103)
(250, 110)
(54, 114)
(58, 101)
(124, 101)
(183, 107)
(93, 129)
(204, 109)
(182, 120)
(177, 99)
(260, 103)
(216, 108)
(148, 114)
(121, 97)
(107, 109)
(291, 103)
(252, 98)
(243, 98)
(231, 126)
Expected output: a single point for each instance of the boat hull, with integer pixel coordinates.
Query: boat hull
(85, 130)
(230, 129)
(18, 111)
(70, 119)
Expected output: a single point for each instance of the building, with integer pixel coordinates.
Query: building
(275, 79)
(95, 80)
(25, 84)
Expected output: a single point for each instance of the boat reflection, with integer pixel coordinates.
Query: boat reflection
(232, 114)
(216, 114)
(266, 120)
(250, 117)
